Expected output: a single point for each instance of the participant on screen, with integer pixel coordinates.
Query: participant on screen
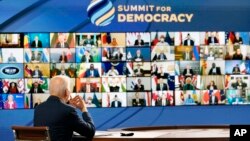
(62, 40)
(88, 40)
(113, 39)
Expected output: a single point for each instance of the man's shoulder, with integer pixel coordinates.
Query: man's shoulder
(47, 104)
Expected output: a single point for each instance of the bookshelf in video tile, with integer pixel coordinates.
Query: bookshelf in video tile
(127, 69)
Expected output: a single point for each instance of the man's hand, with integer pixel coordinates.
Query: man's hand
(78, 103)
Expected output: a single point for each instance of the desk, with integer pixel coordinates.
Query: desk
(171, 133)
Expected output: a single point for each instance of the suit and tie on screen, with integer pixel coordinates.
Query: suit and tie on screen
(36, 43)
(188, 41)
(92, 72)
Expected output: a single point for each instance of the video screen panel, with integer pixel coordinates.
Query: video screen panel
(132, 69)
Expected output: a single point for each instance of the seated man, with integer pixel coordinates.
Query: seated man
(188, 71)
(37, 72)
(137, 101)
(138, 57)
(236, 69)
(139, 71)
(161, 86)
(12, 59)
(61, 118)
(188, 41)
(239, 84)
(139, 41)
(89, 87)
(214, 70)
(139, 86)
(238, 55)
(87, 57)
(116, 102)
(92, 72)
(113, 71)
(36, 88)
(36, 43)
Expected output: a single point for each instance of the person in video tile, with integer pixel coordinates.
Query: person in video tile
(236, 69)
(10, 103)
(116, 102)
(240, 85)
(214, 70)
(37, 72)
(13, 88)
(139, 86)
(238, 55)
(139, 41)
(188, 85)
(36, 43)
(137, 101)
(92, 72)
(212, 86)
(36, 88)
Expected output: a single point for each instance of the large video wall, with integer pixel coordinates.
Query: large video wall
(127, 69)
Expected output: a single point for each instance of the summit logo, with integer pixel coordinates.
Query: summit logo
(101, 12)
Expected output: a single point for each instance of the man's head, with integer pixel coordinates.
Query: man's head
(139, 81)
(188, 67)
(138, 36)
(188, 36)
(86, 53)
(88, 37)
(213, 65)
(36, 38)
(112, 67)
(37, 68)
(60, 87)
(11, 54)
(92, 66)
(36, 84)
(116, 98)
(138, 66)
(238, 51)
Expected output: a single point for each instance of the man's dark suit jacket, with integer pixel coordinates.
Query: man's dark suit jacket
(62, 120)
(218, 72)
(39, 89)
(210, 40)
(164, 87)
(138, 57)
(186, 42)
(141, 102)
(137, 88)
(40, 74)
(137, 70)
(65, 59)
(58, 45)
(137, 42)
(84, 58)
(190, 71)
(39, 44)
(113, 104)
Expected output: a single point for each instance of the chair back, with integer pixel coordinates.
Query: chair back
(28, 133)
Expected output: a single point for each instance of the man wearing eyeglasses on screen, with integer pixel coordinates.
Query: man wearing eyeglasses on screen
(61, 118)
